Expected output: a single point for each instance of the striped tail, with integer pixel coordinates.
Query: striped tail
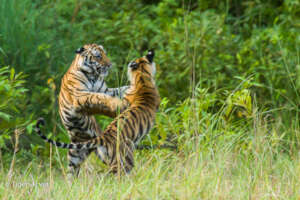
(63, 145)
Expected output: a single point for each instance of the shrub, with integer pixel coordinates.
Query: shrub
(13, 98)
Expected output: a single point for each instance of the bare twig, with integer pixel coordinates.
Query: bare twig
(76, 11)
(164, 146)
(17, 133)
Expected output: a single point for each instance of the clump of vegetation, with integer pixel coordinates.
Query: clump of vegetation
(13, 96)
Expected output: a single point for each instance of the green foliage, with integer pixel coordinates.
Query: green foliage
(220, 63)
(13, 97)
(198, 117)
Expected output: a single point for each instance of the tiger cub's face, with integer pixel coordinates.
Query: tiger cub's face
(144, 64)
(94, 60)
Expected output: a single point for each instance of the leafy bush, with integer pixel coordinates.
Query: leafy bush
(214, 59)
(13, 100)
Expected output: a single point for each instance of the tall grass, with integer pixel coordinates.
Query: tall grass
(215, 171)
(19, 41)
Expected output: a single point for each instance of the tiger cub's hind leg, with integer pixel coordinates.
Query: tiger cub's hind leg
(123, 160)
(75, 159)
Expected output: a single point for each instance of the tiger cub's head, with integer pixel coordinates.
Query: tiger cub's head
(142, 88)
(144, 65)
(93, 59)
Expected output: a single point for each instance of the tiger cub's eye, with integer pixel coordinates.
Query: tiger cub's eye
(98, 56)
(134, 65)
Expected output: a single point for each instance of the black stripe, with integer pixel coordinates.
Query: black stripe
(149, 94)
(141, 80)
(132, 113)
(81, 81)
(71, 164)
(113, 157)
(148, 116)
(101, 85)
(88, 145)
(129, 160)
(132, 134)
(146, 71)
(140, 130)
(143, 116)
(71, 154)
(117, 91)
(148, 126)
(44, 137)
(78, 128)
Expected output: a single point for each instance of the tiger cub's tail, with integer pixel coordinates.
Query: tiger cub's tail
(41, 121)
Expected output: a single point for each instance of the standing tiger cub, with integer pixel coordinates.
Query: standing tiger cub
(116, 144)
(84, 93)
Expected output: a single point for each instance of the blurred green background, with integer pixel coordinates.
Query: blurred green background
(220, 65)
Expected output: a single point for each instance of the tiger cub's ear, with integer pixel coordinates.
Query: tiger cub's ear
(79, 50)
(150, 55)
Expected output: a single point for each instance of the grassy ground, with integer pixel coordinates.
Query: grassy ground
(220, 171)
(229, 54)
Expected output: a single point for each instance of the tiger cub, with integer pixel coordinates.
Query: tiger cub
(116, 144)
(84, 93)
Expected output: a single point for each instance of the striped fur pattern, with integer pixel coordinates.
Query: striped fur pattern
(116, 144)
(84, 93)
